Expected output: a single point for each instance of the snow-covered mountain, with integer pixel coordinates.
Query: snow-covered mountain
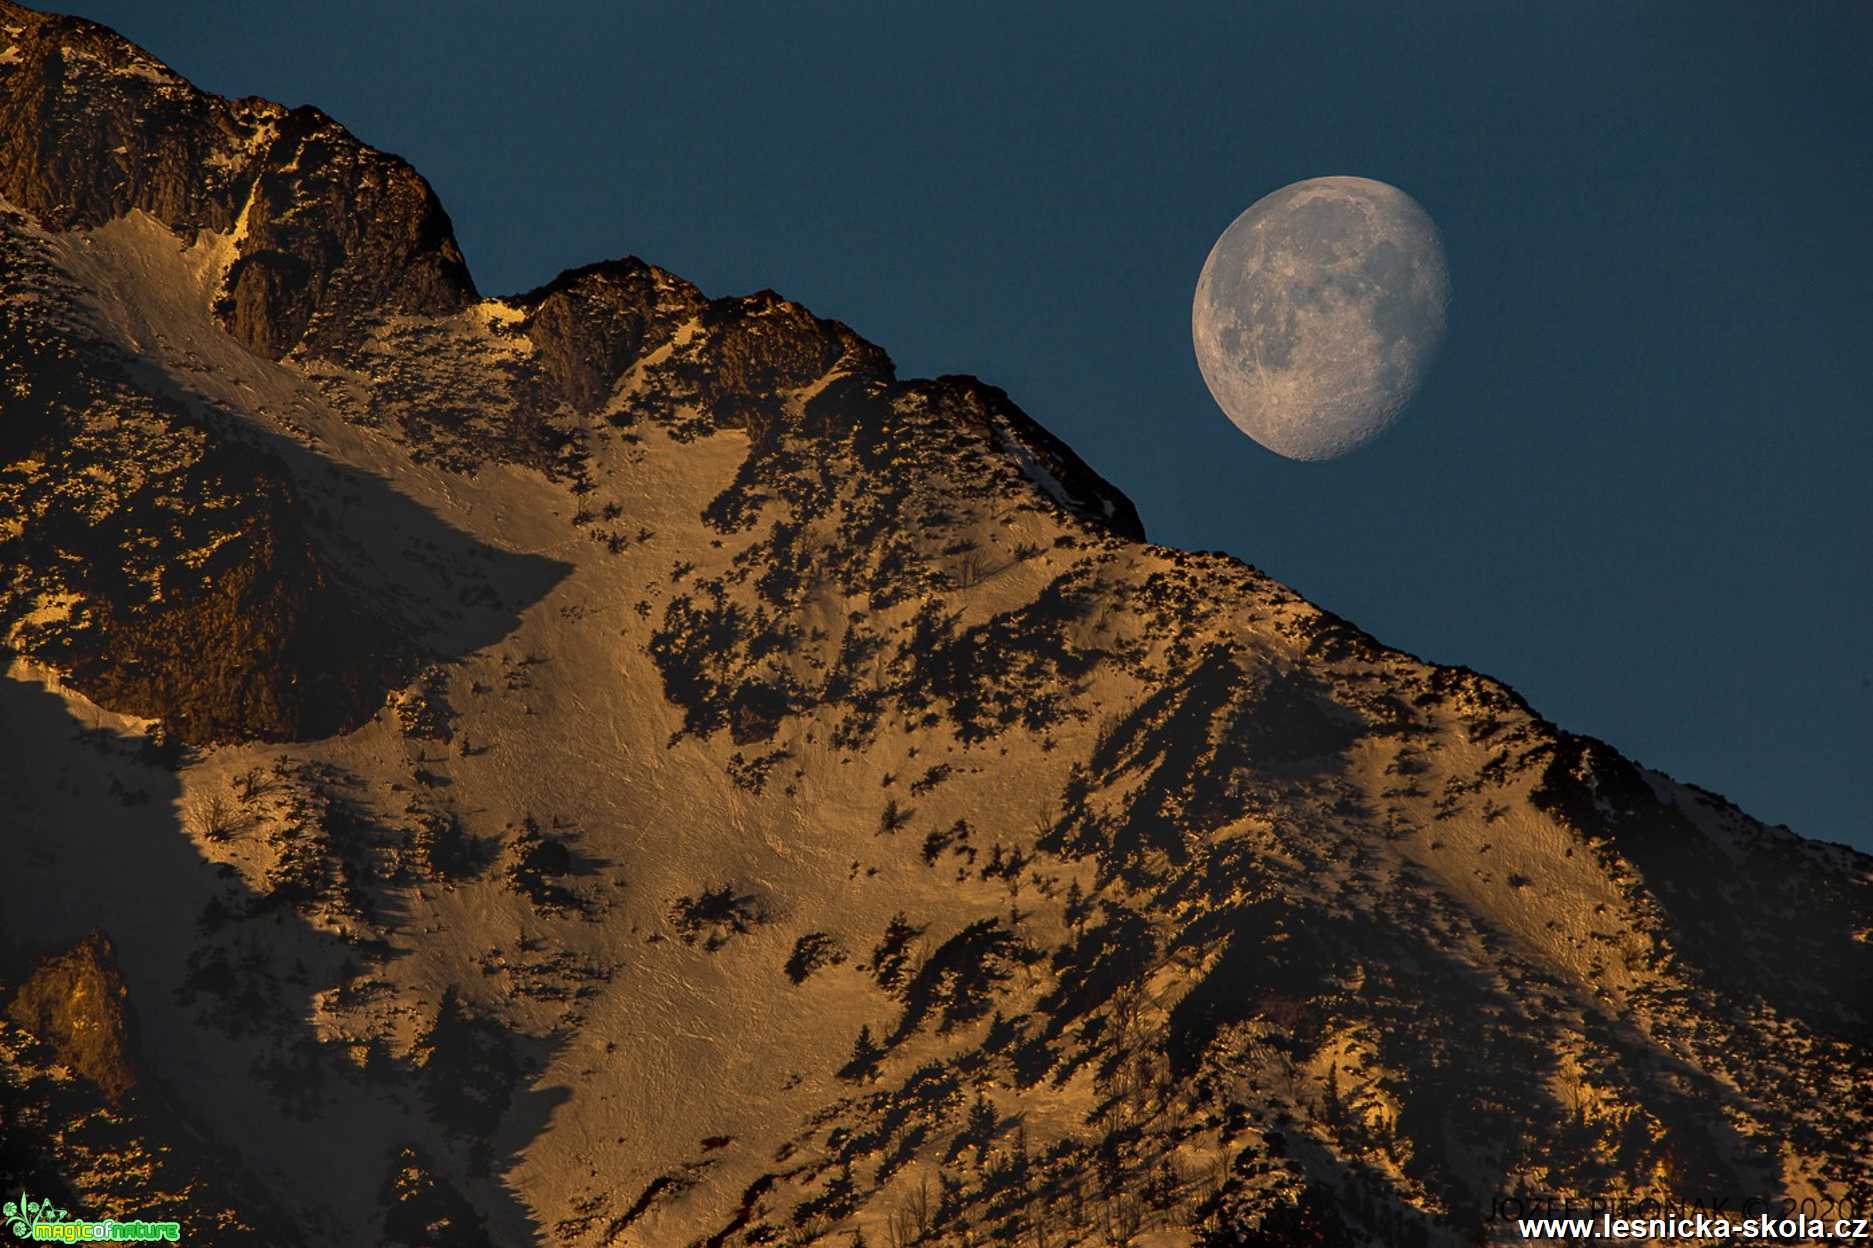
(612, 766)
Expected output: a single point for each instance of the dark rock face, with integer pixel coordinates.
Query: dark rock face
(79, 99)
(195, 595)
(762, 345)
(328, 226)
(76, 1002)
(1072, 482)
(333, 228)
(589, 325)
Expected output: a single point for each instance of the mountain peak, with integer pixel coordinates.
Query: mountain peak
(92, 127)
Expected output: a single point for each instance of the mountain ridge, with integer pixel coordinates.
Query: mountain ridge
(640, 772)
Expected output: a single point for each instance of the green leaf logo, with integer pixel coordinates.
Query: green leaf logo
(26, 1213)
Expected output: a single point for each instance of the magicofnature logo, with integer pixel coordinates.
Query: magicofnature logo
(42, 1222)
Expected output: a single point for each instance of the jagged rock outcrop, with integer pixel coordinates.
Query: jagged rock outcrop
(92, 127)
(77, 1002)
(588, 326)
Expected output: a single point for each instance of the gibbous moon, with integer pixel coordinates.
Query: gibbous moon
(1319, 312)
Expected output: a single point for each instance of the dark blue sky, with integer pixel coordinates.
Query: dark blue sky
(1635, 486)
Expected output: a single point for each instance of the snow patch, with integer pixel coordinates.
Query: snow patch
(1038, 473)
(498, 312)
(149, 71)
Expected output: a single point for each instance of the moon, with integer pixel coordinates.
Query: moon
(1318, 313)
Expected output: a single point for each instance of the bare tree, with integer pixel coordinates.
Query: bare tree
(969, 570)
(1124, 1218)
(913, 1216)
(211, 816)
(252, 784)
